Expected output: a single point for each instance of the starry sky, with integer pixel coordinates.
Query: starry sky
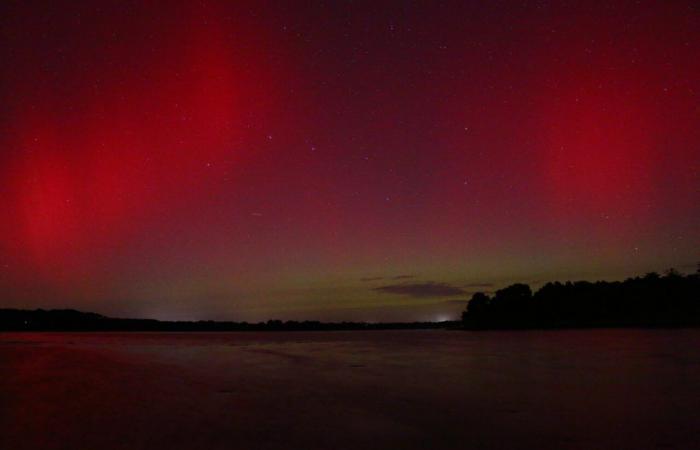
(364, 160)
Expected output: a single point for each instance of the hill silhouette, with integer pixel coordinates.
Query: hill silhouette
(671, 300)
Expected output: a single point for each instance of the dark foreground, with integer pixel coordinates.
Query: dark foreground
(595, 389)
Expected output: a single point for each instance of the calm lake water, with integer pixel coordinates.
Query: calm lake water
(596, 389)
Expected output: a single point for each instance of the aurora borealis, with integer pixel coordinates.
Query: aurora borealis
(340, 160)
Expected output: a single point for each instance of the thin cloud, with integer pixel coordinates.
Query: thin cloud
(395, 277)
(456, 302)
(478, 285)
(421, 290)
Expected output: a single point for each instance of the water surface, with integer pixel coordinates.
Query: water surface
(593, 389)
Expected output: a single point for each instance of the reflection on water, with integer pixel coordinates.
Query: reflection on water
(383, 389)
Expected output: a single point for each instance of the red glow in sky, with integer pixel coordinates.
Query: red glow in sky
(245, 161)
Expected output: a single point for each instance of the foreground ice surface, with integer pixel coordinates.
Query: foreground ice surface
(597, 389)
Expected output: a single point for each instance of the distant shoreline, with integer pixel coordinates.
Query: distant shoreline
(71, 320)
(67, 320)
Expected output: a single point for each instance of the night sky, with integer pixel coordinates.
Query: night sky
(342, 160)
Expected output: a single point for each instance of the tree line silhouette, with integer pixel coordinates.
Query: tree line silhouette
(671, 300)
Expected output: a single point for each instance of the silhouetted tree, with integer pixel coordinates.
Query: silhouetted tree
(478, 303)
(651, 300)
(477, 307)
(510, 304)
